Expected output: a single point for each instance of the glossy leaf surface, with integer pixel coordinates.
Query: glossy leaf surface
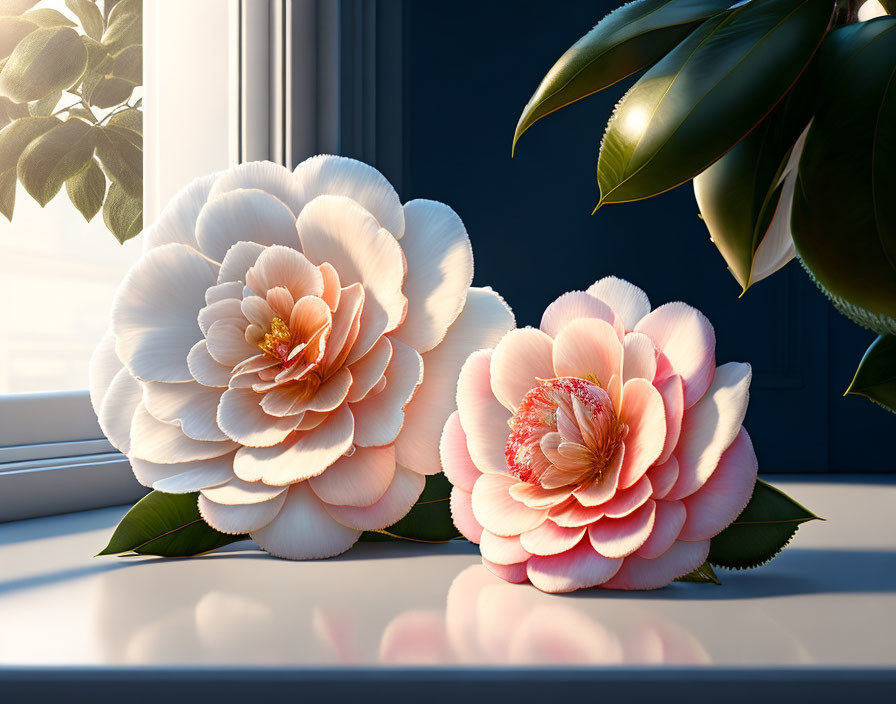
(429, 521)
(876, 376)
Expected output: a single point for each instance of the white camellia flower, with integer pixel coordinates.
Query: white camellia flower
(289, 346)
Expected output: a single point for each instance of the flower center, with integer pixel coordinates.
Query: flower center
(565, 432)
(278, 342)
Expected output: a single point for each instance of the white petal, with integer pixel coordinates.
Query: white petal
(627, 300)
(239, 259)
(206, 370)
(186, 477)
(163, 443)
(369, 370)
(359, 479)
(117, 409)
(241, 417)
(240, 518)
(639, 357)
(104, 365)
(177, 221)
(399, 498)
(236, 492)
(190, 405)
(265, 176)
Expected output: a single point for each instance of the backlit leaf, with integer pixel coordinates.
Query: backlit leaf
(16, 7)
(122, 213)
(87, 188)
(12, 31)
(48, 17)
(130, 119)
(7, 193)
(89, 16)
(14, 138)
(122, 156)
(54, 157)
(876, 376)
(125, 25)
(10, 111)
(45, 106)
(47, 60)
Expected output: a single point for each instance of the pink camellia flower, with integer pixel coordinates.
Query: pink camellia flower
(604, 449)
(289, 346)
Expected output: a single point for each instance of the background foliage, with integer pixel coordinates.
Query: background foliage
(68, 112)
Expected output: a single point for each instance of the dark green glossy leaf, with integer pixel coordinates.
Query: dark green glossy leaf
(761, 531)
(876, 376)
(14, 138)
(626, 41)
(89, 16)
(45, 106)
(844, 210)
(12, 31)
(47, 60)
(125, 25)
(123, 213)
(87, 188)
(130, 119)
(16, 7)
(122, 156)
(429, 521)
(168, 525)
(48, 17)
(704, 574)
(54, 157)
(706, 95)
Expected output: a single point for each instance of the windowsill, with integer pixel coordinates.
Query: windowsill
(820, 615)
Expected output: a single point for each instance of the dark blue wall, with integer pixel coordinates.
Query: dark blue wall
(469, 68)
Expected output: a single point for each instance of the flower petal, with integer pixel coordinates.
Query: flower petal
(266, 176)
(236, 519)
(394, 505)
(341, 176)
(242, 419)
(670, 517)
(190, 405)
(484, 320)
(307, 453)
(281, 266)
(205, 369)
(303, 530)
(688, 340)
(619, 537)
(236, 492)
(628, 301)
(117, 409)
(573, 514)
(236, 263)
(574, 306)
(521, 358)
(551, 539)
(104, 365)
(163, 443)
(184, 477)
(709, 428)
(226, 342)
(502, 550)
(439, 272)
(497, 511)
(155, 309)
(177, 221)
(579, 568)
(638, 573)
(462, 514)
(456, 462)
(663, 477)
(536, 496)
(627, 501)
(717, 503)
(367, 371)
(379, 419)
(482, 417)
(672, 391)
(600, 492)
(645, 415)
(360, 479)
(639, 357)
(588, 347)
(515, 574)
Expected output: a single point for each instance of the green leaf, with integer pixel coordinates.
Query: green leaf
(87, 188)
(875, 378)
(629, 39)
(10, 111)
(130, 119)
(16, 7)
(429, 520)
(47, 60)
(89, 16)
(706, 95)
(12, 31)
(53, 158)
(45, 106)
(108, 92)
(48, 17)
(844, 210)
(127, 64)
(125, 25)
(14, 138)
(121, 152)
(761, 531)
(83, 113)
(123, 213)
(168, 525)
(96, 53)
(704, 574)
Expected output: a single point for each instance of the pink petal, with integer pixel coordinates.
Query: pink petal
(244, 215)
(628, 301)
(686, 337)
(332, 285)
(482, 323)
(456, 462)
(535, 496)
(551, 539)
(709, 427)
(239, 259)
(572, 514)
(579, 568)
(163, 443)
(502, 550)
(639, 360)
(627, 501)
(462, 514)
(360, 479)
(341, 176)
(346, 327)
(265, 176)
(718, 502)
(237, 519)
(574, 306)
(190, 405)
(638, 573)
(672, 391)
(394, 505)
(643, 412)
(155, 309)
(243, 420)
(306, 454)
(439, 272)
(482, 417)
(367, 371)
(303, 530)
(515, 574)
(670, 517)
(205, 369)
(618, 537)
(337, 230)
(663, 477)
(521, 358)
(588, 347)
(282, 266)
(600, 492)
(378, 420)
(497, 511)
(256, 310)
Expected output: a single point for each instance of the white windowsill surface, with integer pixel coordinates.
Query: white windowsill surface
(430, 623)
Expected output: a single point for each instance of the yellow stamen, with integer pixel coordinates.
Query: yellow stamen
(278, 341)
